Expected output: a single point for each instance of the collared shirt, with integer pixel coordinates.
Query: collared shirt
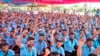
(18, 33)
(10, 53)
(11, 41)
(4, 37)
(88, 34)
(9, 28)
(77, 35)
(69, 46)
(96, 43)
(40, 46)
(24, 40)
(59, 50)
(86, 51)
(3, 24)
(23, 25)
(63, 26)
(24, 51)
(36, 36)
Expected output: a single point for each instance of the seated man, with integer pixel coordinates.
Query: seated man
(58, 46)
(5, 51)
(87, 48)
(71, 45)
(28, 48)
(40, 45)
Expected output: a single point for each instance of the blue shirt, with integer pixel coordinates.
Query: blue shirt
(88, 34)
(29, 34)
(3, 24)
(77, 35)
(96, 43)
(24, 51)
(24, 40)
(18, 33)
(59, 50)
(63, 26)
(86, 51)
(23, 25)
(40, 46)
(36, 36)
(11, 41)
(10, 53)
(4, 37)
(9, 28)
(69, 46)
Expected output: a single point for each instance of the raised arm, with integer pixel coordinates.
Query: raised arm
(35, 28)
(52, 37)
(19, 38)
(97, 51)
(95, 33)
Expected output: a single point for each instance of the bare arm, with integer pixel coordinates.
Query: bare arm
(18, 42)
(52, 37)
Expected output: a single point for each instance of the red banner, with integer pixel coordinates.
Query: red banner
(65, 1)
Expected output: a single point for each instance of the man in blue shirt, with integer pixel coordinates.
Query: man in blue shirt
(65, 35)
(58, 47)
(4, 34)
(5, 51)
(24, 37)
(11, 39)
(70, 46)
(28, 48)
(19, 30)
(40, 45)
(87, 48)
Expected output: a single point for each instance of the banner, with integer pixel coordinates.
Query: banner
(64, 1)
(53, 1)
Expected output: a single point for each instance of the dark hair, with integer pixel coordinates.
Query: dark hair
(41, 34)
(30, 38)
(92, 54)
(89, 39)
(54, 54)
(46, 48)
(55, 33)
(71, 33)
(24, 29)
(64, 30)
(12, 31)
(18, 27)
(3, 44)
(28, 29)
(59, 41)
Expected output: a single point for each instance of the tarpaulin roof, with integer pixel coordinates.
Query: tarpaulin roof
(49, 1)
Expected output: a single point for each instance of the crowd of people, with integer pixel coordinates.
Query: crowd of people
(49, 34)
